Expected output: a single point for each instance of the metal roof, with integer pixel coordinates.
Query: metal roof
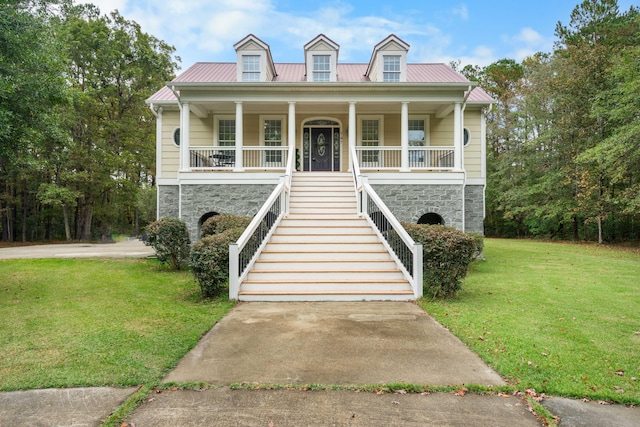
(225, 72)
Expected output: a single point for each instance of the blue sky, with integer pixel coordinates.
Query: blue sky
(473, 32)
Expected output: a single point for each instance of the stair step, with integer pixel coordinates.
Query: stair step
(322, 250)
(324, 238)
(319, 264)
(330, 275)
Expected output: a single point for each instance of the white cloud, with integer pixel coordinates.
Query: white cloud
(107, 6)
(526, 43)
(462, 12)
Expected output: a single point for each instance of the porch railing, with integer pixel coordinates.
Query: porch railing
(253, 157)
(244, 252)
(431, 158)
(402, 247)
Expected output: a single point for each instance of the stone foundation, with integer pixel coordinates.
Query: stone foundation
(408, 202)
(239, 199)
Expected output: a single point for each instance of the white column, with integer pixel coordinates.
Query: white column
(239, 140)
(291, 131)
(352, 131)
(291, 135)
(457, 136)
(185, 120)
(404, 137)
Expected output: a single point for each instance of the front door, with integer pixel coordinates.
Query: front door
(321, 149)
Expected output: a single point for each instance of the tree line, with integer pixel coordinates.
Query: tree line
(77, 152)
(77, 149)
(563, 155)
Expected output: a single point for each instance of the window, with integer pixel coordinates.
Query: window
(273, 138)
(176, 136)
(251, 68)
(321, 68)
(225, 136)
(370, 132)
(466, 136)
(391, 68)
(417, 138)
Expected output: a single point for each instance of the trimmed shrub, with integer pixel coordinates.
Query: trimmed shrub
(447, 253)
(222, 222)
(169, 237)
(478, 240)
(210, 261)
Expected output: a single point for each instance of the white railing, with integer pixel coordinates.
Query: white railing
(406, 252)
(253, 157)
(390, 158)
(244, 252)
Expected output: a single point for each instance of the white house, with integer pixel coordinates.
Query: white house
(227, 133)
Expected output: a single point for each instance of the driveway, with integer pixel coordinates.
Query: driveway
(133, 248)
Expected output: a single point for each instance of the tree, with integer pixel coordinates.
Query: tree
(31, 86)
(113, 67)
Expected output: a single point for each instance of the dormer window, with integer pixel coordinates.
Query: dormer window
(254, 63)
(251, 68)
(321, 68)
(321, 59)
(388, 62)
(391, 71)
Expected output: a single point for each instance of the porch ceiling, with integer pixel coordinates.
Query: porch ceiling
(317, 107)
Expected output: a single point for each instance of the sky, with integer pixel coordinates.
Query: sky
(472, 31)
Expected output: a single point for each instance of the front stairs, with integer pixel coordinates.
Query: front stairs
(323, 251)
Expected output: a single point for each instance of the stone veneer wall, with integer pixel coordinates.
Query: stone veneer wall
(409, 202)
(239, 199)
(474, 209)
(168, 199)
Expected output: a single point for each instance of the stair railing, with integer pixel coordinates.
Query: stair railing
(406, 252)
(244, 253)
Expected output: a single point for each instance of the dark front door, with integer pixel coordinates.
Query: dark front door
(321, 149)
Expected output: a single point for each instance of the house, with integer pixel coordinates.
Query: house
(415, 131)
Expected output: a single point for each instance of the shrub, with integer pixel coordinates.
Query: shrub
(447, 253)
(478, 240)
(210, 260)
(222, 222)
(169, 237)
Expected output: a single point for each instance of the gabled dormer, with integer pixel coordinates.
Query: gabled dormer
(389, 61)
(254, 61)
(321, 59)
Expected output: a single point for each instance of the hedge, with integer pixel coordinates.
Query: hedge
(447, 253)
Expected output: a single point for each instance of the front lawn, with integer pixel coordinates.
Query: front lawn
(563, 319)
(68, 323)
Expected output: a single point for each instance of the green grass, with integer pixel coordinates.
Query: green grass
(68, 323)
(563, 319)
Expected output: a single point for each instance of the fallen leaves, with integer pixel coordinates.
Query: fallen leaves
(461, 391)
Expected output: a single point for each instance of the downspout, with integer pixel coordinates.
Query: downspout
(464, 169)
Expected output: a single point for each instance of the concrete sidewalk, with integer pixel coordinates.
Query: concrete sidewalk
(314, 343)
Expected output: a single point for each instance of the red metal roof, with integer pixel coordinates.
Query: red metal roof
(225, 72)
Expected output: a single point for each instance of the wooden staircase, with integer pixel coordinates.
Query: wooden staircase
(323, 251)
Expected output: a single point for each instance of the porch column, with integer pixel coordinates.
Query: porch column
(457, 136)
(352, 131)
(404, 137)
(291, 131)
(185, 119)
(238, 166)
